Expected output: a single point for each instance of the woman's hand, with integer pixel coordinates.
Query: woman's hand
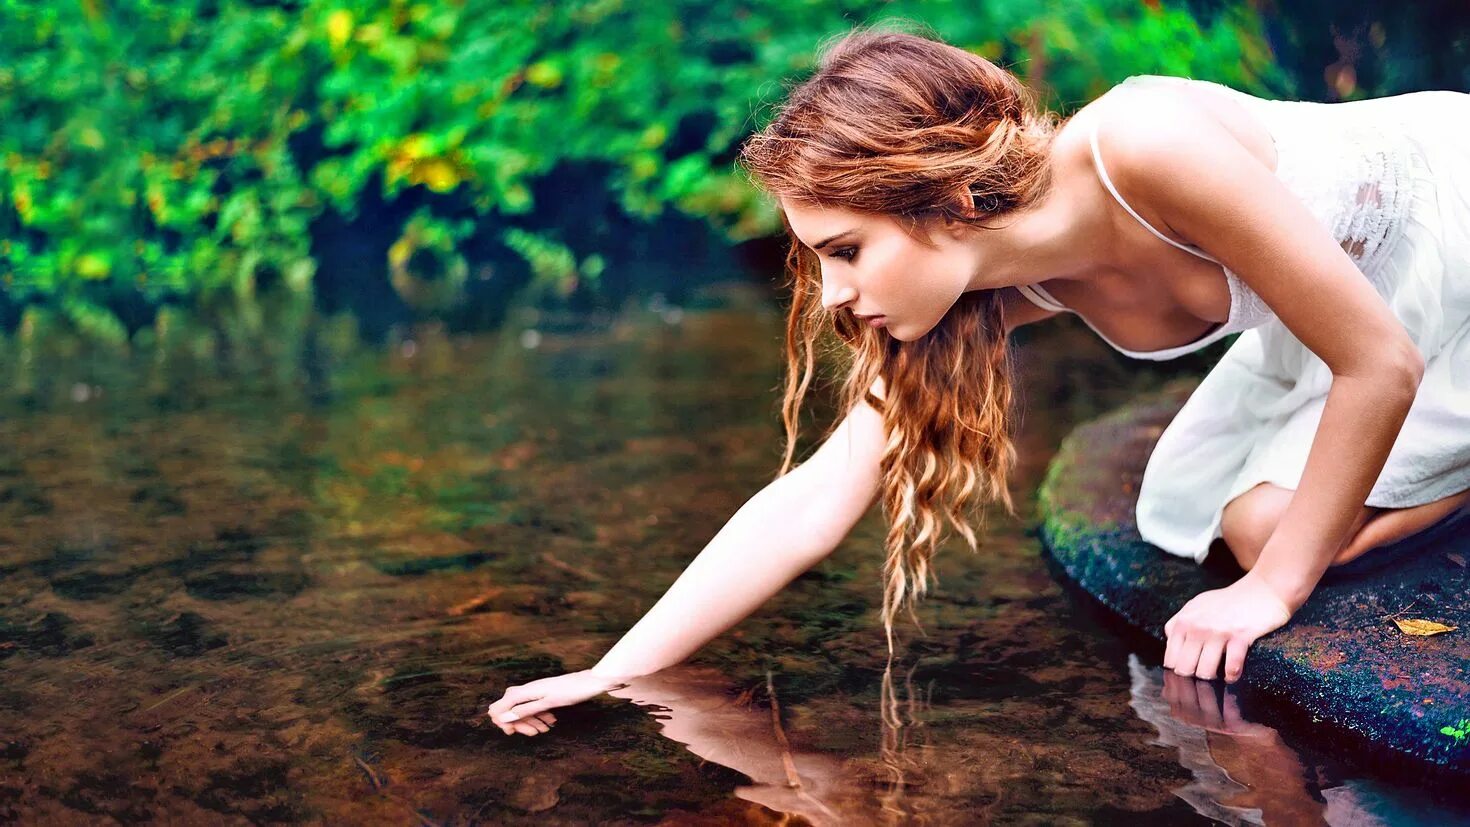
(524, 708)
(1222, 623)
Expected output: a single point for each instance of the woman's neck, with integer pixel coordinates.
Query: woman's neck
(1067, 235)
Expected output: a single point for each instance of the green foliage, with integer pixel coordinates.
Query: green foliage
(180, 150)
(1457, 731)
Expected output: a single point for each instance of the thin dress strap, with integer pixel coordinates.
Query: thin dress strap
(1038, 296)
(1102, 173)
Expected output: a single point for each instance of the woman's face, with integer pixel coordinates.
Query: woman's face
(871, 267)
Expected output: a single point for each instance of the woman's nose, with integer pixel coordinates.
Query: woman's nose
(836, 295)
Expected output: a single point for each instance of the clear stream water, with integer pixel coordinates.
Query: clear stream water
(287, 594)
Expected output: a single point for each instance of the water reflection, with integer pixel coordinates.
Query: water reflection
(228, 596)
(694, 708)
(1245, 773)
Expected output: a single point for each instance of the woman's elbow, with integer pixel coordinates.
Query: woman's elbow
(1401, 369)
(1416, 361)
(1411, 364)
(1393, 370)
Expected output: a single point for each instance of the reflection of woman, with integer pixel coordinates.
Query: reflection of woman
(1243, 772)
(931, 209)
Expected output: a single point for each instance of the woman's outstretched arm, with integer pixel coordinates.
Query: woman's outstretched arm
(784, 529)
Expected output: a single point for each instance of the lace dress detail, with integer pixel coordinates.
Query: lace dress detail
(1349, 171)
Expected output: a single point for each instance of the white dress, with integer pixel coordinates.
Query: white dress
(1390, 177)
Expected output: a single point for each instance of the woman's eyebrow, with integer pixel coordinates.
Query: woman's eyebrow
(819, 245)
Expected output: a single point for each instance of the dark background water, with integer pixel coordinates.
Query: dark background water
(261, 597)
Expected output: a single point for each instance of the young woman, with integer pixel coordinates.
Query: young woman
(932, 208)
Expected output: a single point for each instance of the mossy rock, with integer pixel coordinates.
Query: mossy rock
(1341, 661)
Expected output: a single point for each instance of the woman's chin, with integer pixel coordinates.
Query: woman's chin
(905, 333)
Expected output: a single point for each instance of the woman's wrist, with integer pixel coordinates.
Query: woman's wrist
(1291, 588)
(612, 676)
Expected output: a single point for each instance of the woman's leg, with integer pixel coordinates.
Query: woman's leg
(1249, 520)
(1392, 524)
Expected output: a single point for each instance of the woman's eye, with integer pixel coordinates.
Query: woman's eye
(846, 253)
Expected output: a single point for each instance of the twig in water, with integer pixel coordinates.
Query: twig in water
(793, 778)
(555, 562)
(372, 777)
(474, 602)
(168, 698)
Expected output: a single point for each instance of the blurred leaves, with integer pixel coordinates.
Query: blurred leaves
(180, 151)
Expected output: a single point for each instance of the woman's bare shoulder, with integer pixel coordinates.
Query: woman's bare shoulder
(1133, 130)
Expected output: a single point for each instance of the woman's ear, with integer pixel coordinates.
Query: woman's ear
(964, 205)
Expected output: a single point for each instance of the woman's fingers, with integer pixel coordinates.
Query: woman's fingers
(519, 727)
(1209, 659)
(512, 696)
(1187, 656)
(1235, 659)
(516, 706)
(525, 723)
(529, 709)
(532, 725)
(1175, 652)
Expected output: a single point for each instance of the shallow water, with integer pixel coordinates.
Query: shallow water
(252, 599)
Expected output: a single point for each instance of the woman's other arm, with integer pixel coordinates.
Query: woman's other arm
(1201, 183)
(784, 529)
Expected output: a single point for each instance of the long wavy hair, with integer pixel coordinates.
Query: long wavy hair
(907, 126)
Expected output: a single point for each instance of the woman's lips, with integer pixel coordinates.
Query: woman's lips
(874, 321)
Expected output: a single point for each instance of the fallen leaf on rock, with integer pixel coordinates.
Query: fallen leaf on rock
(1422, 628)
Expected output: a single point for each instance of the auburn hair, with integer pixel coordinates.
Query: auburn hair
(912, 128)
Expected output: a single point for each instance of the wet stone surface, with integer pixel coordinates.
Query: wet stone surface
(1341, 660)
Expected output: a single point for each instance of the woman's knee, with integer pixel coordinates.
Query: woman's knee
(1248, 521)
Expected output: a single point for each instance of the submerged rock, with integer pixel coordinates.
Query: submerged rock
(1342, 660)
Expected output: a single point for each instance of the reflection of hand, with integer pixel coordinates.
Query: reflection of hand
(1269, 772)
(524, 708)
(1193, 702)
(1222, 622)
(694, 707)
